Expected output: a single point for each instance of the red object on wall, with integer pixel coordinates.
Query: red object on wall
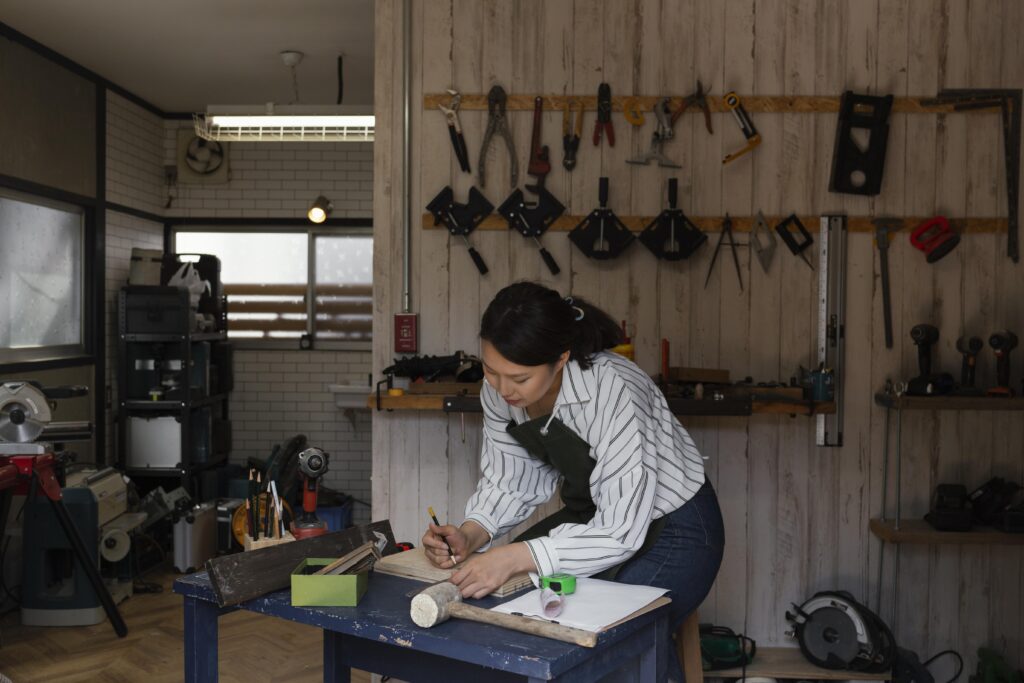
(405, 332)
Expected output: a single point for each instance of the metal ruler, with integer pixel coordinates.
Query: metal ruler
(832, 321)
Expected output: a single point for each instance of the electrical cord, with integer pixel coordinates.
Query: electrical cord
(959, 659)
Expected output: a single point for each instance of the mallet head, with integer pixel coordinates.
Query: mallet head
(432, 606)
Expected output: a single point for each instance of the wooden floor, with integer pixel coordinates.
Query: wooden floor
(252, 647)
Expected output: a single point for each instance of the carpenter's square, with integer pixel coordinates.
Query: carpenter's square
(883, 228)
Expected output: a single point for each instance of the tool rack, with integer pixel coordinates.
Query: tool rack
(899, 530)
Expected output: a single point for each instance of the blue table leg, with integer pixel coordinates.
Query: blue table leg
(336, 669)
(653, 666)
(200, 641)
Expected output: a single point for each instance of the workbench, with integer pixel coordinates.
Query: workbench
(379, 636)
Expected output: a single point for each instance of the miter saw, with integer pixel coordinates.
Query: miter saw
(25, 417)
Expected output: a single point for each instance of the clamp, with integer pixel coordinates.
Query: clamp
(451, 112)
(497, 123)
(698, 98)
(662, 133)
(571, 134)
(604, 116)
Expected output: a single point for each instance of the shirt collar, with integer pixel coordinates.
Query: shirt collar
(575, 384)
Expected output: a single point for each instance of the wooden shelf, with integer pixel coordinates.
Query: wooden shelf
(436, 402)
(768, 104)
(789, 662)
(948, 402)
(565, 223)
(920, 532)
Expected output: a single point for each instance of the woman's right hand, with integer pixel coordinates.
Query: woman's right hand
(437, 552)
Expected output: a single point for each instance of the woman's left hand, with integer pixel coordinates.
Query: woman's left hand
(483, 573)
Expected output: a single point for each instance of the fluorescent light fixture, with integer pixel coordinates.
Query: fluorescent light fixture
(320, 209)
(288, 123)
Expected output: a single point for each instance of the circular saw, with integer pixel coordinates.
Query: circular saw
(24, 412)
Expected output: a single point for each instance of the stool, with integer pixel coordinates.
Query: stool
(688, 648)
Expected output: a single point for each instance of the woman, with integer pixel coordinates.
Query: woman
(558, 405)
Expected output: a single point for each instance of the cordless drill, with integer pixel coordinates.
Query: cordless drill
(969, 348)
(927, 384)
(1002, 343)
(312, 466)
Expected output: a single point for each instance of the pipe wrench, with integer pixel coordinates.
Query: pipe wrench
(451, 113)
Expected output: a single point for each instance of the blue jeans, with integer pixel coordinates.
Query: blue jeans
(685, 559)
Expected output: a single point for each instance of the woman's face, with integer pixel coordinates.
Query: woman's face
(519, 385)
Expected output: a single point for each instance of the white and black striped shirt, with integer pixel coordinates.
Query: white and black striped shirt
(646, 466)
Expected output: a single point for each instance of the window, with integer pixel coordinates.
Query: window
(42, 279)
(283, 284)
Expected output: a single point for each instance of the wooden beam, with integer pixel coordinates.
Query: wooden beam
(779, 104)
(745, 223)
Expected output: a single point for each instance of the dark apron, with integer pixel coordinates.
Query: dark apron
(567, 453)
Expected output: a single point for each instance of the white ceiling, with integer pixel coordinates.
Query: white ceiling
(182, 55)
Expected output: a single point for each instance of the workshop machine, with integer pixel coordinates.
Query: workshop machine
(60, 568)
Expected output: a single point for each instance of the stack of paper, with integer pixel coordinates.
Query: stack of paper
(595, 606)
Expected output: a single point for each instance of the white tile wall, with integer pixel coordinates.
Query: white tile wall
(282, 393)
(277, 393)
(135, 151)
(279, 179)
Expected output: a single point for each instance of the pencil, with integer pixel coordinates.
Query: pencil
(451, 554)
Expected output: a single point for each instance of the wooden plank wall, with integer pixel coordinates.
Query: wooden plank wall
(796, 515)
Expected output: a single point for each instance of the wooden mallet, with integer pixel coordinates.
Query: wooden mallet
(440, 601)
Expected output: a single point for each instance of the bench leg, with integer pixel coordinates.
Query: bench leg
(200, 641)
(336, 669)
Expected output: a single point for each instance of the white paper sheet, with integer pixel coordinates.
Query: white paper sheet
(595, 605)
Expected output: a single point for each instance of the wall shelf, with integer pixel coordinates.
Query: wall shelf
(918, 531)
(789, 662)
(565, 223)
(948, 402)
(768, 104)
(470, 403)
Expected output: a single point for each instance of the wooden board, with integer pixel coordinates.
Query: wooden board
(919, 531)
(789, 662)
(949, 402)
(413, 564)
(244, 576)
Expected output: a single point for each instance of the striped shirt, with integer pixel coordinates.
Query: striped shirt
(646, 466)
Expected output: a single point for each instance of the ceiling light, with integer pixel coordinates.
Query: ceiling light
(285, 123)
(320, 209)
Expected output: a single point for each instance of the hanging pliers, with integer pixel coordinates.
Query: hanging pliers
(571, 134)
(604, 115)
(451, 112)
(497, 123)
(698, 98)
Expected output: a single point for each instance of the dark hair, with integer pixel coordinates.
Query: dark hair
(530, 324)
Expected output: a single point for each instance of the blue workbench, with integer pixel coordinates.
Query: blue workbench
(379, 636)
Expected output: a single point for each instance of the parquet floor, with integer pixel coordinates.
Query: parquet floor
(253, 648)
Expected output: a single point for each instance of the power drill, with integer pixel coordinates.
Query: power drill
(969, 348)
(1002, 343)
(312, 466)
(927, 384)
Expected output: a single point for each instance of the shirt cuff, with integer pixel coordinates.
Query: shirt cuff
(487, 525)
(544, 555)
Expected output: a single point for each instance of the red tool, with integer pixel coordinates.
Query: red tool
(698, 98)
(935, 238)
(312, 465)
(604, 116)
(539, 165)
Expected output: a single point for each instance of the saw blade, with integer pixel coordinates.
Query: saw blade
(24, 412)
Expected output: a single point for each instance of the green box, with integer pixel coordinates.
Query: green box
(341, 590)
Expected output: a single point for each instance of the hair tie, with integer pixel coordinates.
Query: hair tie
(579, 313)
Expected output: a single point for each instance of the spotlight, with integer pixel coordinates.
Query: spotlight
(320, 209)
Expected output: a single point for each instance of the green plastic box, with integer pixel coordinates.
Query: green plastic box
(342, 590)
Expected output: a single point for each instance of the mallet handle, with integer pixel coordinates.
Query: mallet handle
(534, 627)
